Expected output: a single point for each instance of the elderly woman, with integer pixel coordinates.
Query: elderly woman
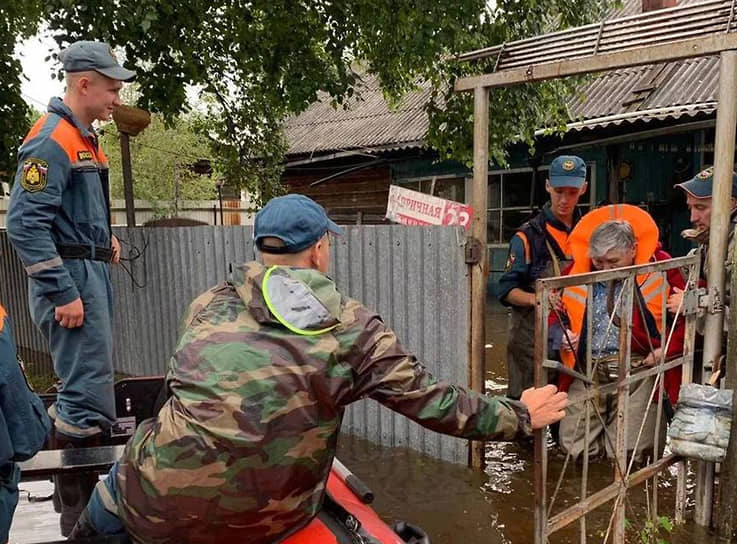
(602, 243)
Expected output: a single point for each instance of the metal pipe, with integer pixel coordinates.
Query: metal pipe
(479, 270)
(727, 516)
(718, 235)
(542, 310)
(353, 482)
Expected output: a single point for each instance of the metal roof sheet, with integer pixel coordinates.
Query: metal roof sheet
(368, 122)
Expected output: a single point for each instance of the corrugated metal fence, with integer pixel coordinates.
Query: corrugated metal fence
(415, 277)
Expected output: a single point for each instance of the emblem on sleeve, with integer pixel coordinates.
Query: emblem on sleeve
(510, 262)
(34, 176)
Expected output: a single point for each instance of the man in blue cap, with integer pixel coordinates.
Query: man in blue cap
(262, 373)
(698, 199)
(59, 224)
(539, 249)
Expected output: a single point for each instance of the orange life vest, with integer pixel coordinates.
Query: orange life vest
(650, 285)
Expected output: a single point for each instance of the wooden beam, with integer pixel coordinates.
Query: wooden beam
(125, 157)
(479, 270)
(699, 47)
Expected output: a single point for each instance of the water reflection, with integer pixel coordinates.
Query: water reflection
(456, 504)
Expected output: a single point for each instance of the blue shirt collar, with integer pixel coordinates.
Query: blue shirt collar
(57, 106)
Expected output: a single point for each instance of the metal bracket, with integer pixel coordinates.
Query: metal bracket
(694, 300)
(473, 251)
(709, 302)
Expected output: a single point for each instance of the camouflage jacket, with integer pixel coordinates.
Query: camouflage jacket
(260, 377)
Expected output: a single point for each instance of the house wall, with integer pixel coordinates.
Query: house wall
(355, 197)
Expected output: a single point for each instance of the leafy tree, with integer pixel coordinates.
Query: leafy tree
(18, 20)
(262, 60)
(162, 158)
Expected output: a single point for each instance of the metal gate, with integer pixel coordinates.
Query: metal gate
(549, 520)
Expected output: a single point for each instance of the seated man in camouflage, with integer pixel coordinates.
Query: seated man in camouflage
(261, 375)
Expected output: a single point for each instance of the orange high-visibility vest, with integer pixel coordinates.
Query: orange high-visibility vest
(650, 285)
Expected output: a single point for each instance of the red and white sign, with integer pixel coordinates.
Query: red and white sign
(414, 208)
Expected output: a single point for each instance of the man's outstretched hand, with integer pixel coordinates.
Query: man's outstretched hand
(545, 404)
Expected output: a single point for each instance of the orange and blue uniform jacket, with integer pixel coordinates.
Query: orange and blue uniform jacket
(60, 199)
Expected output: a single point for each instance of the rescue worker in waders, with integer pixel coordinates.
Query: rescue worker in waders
(539, 249)
(59, 224)
(612, 237)
(23, 423)
(266, 364)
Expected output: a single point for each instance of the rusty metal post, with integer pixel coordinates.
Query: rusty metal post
(623, 392)
(125, 157)
(587, 409)
(727, 514)
(542, 309)
(687, 377)
(480, 269)
(718, 234)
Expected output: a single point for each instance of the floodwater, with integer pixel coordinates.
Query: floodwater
(456, 504)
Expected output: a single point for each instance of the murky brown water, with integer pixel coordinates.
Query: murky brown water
(456, 504)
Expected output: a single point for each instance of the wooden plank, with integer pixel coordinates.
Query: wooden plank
(50, 462)
(699, 47)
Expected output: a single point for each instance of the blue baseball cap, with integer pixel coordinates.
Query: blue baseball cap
(296, 220)
(567, 171)
(700, 186)
(83, 56)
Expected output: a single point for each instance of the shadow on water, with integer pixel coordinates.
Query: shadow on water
(456, 504)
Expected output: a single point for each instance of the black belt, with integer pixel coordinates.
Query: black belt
(79, 251)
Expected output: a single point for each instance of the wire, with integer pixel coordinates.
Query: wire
(195, 157)
(36, 100)
(134, 254)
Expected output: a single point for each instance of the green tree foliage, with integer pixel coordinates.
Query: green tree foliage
(162, 157)
(18, 20)
(262, 60)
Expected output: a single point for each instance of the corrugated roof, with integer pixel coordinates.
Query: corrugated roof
(676, 89)
(681, 87)
(684, 88)
(367, 123)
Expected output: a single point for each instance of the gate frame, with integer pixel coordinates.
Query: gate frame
(623, 479)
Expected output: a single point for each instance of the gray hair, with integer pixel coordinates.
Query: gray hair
(615, 234)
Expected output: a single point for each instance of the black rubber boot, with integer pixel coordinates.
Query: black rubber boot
(72, 491)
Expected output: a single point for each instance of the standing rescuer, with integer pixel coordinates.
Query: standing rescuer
(59, 224)
(539, 249)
